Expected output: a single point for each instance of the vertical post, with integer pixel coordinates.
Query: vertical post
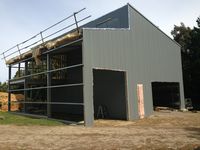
(4, 57)
(88, 85)
(42, 37)
(25, 85)
(9, 93)
(76, 21)
(19, 50)
(48, 84)
(31, 77)
(19, 67)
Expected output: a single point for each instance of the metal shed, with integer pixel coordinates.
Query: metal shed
(112, 68)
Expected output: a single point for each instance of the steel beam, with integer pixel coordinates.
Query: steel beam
(57, 103)
(45, 87)
(48, 71)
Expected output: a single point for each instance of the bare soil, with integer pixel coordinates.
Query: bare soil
(163, 130)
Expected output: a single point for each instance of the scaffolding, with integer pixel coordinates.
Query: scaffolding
(49, 77)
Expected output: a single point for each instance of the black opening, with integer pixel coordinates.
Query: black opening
(166, 94)
(67, 101)
(67, 112)
(57, 93)
(109, 94)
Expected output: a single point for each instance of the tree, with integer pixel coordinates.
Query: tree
(189, 39)
(182, 35)
(198, 22)
(3, 87)
(195, 60)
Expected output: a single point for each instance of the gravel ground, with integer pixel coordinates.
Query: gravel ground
(163, 130)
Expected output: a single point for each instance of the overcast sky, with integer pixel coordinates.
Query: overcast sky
(20, 19)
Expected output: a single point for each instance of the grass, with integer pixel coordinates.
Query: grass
(7, 118)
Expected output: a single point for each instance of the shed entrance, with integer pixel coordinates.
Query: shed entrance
(166, 94)
(109, 94)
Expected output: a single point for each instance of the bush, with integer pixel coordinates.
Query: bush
(3, 87)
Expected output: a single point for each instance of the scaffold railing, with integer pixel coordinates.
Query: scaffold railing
(18, 48)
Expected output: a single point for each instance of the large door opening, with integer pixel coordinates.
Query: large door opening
(166, 94)
(109, 94)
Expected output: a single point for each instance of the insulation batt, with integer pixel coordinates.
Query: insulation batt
(36, 51)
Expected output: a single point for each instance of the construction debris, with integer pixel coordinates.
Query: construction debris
(164, 109)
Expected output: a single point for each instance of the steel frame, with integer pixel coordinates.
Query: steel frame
(23, 77)
(48, 87)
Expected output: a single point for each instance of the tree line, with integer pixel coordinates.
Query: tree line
(3, 87)
(189, 39)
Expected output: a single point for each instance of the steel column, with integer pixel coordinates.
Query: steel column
(48, 84)
(25, 85)
(9, 93)
(76, 22)
(19, 67)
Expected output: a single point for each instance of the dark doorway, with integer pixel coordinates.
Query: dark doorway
(166, 94)
(109, 94)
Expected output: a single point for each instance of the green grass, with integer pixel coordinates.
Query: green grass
(7, 118)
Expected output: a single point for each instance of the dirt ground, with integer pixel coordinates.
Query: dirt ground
(163, 130)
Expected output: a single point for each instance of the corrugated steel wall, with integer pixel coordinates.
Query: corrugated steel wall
(104, 21)
(143, 51)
